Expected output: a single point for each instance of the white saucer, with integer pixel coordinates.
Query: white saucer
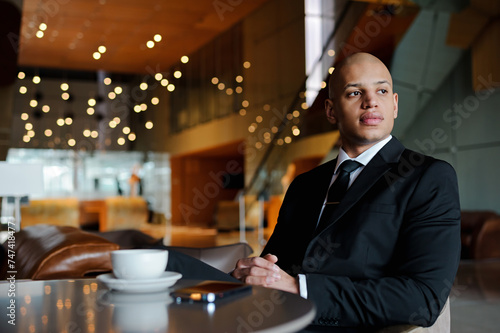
(166, 280)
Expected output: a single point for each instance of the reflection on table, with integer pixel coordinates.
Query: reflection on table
(87, 306)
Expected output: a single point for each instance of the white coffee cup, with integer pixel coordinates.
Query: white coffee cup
(139, 264)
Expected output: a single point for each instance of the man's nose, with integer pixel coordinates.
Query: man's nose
(369, 100)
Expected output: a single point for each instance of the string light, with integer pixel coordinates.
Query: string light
(184, 59)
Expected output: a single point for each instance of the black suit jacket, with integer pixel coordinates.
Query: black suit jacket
(392, 249)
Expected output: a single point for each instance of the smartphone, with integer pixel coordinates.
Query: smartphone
(209, 291)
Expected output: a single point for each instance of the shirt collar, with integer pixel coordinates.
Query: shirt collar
(365, 157)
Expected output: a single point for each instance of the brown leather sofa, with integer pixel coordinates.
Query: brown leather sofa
(480, 235)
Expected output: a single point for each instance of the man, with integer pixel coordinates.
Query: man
(389, 252)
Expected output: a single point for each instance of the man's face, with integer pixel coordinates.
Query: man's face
(363, 104)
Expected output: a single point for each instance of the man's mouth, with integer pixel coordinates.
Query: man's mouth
(371, 118)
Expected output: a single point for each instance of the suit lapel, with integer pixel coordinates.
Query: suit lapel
(372, 172)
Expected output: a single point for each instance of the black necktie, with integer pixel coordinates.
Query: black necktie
(337, 192)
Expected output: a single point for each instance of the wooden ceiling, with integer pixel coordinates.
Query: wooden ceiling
(76, 28)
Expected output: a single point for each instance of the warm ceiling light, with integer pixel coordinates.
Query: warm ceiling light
(215, 80)
(288, 139)
(155, 100)
(33, 103)
(280, 142)
(274, 129)
(247, 64)
(289, 116)
(117, 120)
(24, 116)
(96, 55)
(26, 138)
(184, 59)
(21, 75)
(90, 111)
(137, 108)
(36, 79)
(131, 137)
(296, 113)
(94, 134)
(107, 81)
(48, 132)
(68, 121)
(45, 108)
(266, 107)
(158, 76)
(243, 112)
(221, 86)
(229, 91)
(258, 145)
(143, 86)
(144, 107)
(296, 132)
(101, 49)
(304, 106)
(177, 74)
(164, 82)
(157, 38)
(23, 90)
(118, 90)
(267, 135)
(259, 119)
(111, 95)
(64, 86)
(150, 44)
(91, 102)
(331, 69)
(86, 133)
(238, 90)
(126, 130)
(65, 96)
(239, 79)
(149, 124)
(245, 103)
(251, 128)
(331, 53)
(71, 142)
(170, 87)
(39, 34)
(112, 124)
(28, 126)
(323, 84)
(60, 122)
(121, 141)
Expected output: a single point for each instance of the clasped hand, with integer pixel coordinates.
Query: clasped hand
(263, 271)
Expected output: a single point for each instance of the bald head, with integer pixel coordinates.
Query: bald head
(362, 60)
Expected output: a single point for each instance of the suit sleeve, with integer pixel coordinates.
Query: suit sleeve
(423, 268)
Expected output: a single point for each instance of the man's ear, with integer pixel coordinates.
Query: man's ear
(330, 115)
(395, 105)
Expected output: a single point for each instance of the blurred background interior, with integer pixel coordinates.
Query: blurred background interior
(188, 120)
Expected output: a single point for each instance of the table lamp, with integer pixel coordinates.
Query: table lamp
(19, 180)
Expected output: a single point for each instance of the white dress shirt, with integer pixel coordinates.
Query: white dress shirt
(364, 158)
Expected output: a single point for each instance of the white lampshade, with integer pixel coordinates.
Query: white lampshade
(18, 180)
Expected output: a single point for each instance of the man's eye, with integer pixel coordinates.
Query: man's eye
(354, 93)
(383, 91)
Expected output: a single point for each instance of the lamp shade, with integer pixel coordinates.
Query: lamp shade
(20, 179)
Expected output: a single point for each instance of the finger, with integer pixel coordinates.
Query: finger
(258, 262)
(259, 280)
(254, 271)
(271, 257)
